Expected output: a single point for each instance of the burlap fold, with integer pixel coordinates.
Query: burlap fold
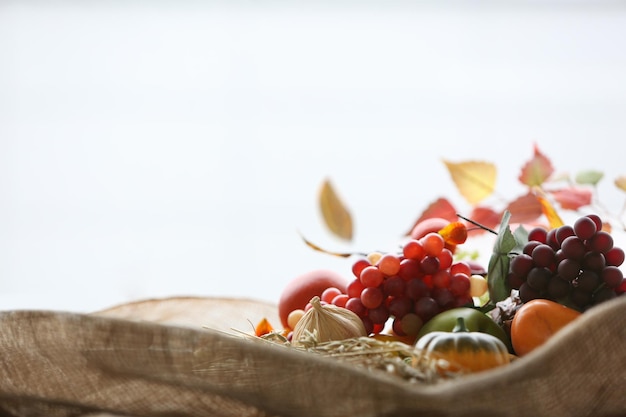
(66, 364)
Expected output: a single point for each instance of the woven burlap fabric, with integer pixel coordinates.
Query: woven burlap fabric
(66, 364)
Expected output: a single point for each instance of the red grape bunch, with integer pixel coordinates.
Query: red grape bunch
(576, 265)
(408, 287)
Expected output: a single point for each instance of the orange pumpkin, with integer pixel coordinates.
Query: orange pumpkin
(536, 321)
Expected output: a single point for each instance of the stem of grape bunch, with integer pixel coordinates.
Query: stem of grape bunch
(477, 224)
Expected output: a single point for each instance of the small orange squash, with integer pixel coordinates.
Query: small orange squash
(464, 351)
(536, 321)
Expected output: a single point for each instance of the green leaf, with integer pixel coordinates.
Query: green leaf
(500, 260)
(590, 177)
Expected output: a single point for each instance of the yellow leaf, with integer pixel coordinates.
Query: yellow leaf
(620, 182)
(554, 220)
(475, 180)
(334, 212)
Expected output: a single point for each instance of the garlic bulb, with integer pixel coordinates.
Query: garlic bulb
(328, 322)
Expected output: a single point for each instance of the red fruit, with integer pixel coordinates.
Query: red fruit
(299, 291)
(426, 226)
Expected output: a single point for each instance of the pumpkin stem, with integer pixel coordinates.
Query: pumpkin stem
(460, 325)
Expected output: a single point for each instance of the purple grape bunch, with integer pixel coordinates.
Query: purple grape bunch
(576, 265)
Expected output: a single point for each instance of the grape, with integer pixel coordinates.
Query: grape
(587, 281)
(612, 276)
(329, 293)
(372, 297)
(445, 259)
(614, 257)
(429, 265)
(358, 266)
(413, 249)
(460, 267)
(368, 324)
(459, 285)
(394, 286)
(558, 288)
(441, 279)
(399, 306)
(426, 308)
(529, 246)
(539, 234)
(568, 269)
(371, 276)
(374, 257)
(585, 227)
(521, 264)
(396, 326)
(444, 298)
(543, 255)
(389, 264)
(409, 268)
(515, 281)
(538, 278)
(411, 324)
(551, 239)
(527, 293)
(478, 285)
(564, 232)
(597, 220)
(378, 315)
(416, 289)
(355, 288)
(601, 242)
(594, 261)
(340, 300)
(573, 247)
(355, 305)
(433, 243)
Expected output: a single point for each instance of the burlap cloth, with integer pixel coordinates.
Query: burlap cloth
(155, 359)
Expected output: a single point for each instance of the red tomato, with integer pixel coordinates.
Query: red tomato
(299, 291)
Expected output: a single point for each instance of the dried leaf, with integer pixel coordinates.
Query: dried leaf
(334, 212)
(441, 208)
(537, 170)
(263, 327)
(589, 177)
(620, 182)
(320, 249)
(554, 220)
(454, 233)
(525, 209)
(475, 180)
(572, 198)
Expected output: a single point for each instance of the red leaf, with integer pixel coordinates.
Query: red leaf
(441, 208)
(525, 209)
(484, 216)
(537, 170)
(572, 198)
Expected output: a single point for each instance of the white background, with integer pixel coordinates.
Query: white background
(153, 149)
